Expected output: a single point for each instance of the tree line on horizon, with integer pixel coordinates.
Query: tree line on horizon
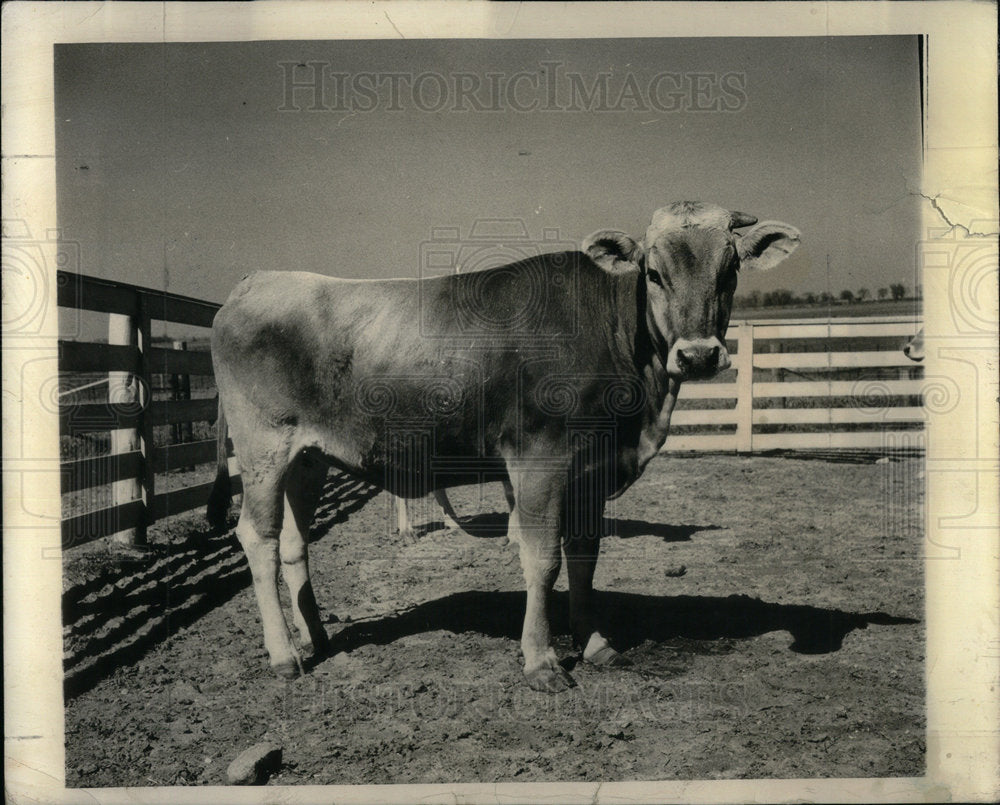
(782, 297)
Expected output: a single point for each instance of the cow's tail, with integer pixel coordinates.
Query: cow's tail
(217, 511)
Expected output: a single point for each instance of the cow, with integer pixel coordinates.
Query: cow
(914, 349)
(558, 372)
(404, 513)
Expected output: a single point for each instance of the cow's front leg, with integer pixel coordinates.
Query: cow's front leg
(581, 560)
(535, 526)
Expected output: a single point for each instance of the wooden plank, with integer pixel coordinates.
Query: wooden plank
(168, 457)
(90, 417)
(83, 356)
(124, 389)
(89, 293)
(837, 416)
(704, 416)
(811, 441)
(701, 441)
(108, 296)
(187, 498)
(707, 391)
(180, 389)
(180, 309)
(167, 412)
(885, 318)
(831, 360)
(148, 476)
(744, 389)
(101, 523)
(87, 472)
(181, 500)
(180, 362)
(837, 329)
(838, 388)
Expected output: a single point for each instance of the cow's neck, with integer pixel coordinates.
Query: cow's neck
(637, 335)
(656, 422)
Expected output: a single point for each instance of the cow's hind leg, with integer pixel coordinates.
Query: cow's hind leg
(447, 512)
(405, 518)
(263, 471)
(535, 526)
(303, 488)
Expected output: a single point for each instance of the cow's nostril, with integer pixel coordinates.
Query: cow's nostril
(701, 359)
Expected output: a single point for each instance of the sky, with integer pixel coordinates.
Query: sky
(183, 167)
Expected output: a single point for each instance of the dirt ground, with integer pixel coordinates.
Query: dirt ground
(772, 608)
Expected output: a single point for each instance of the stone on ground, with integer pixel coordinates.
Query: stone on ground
(254, 765)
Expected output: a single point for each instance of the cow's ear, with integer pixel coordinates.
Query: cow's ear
(613, 250)
(767, 244)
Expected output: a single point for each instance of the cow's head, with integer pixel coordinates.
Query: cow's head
(689, 261)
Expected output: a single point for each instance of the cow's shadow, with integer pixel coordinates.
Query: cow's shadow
(494, 524)
(627, 529)
(631, 619)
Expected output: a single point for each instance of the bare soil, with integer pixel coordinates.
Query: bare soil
(772, 608)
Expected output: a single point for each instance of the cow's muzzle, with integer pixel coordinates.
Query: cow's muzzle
(692, 359)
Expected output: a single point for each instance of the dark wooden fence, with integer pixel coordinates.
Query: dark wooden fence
(130, 412)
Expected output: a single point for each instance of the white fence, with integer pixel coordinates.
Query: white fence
(800, 384)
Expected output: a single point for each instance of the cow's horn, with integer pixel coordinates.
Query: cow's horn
(738, 219)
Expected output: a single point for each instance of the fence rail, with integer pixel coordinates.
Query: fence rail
(820, 383)
(840, 383)
(130, 414)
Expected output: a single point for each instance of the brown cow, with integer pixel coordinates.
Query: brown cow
(560, 372)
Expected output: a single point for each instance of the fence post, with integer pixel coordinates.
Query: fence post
(123, 390)
(180, 388)
(744, 388)
(144, 327)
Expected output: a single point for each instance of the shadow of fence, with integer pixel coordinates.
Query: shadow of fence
(130, 605)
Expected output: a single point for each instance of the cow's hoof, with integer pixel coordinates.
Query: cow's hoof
(315, 651)
(549, 680)
(289, 669)
(607, 657)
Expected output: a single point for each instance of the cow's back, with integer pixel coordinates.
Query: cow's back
(460, 360)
